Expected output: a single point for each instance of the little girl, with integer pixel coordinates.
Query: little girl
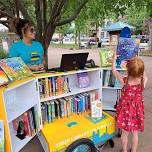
(130, 109)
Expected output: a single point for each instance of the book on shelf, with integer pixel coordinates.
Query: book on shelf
(30, 123)
(15, 68)
(67, 106)
(96, 109)
(109, 79)
(1, 136)
(83, 80)
(53, 86)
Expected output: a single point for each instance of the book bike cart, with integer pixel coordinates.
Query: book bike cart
(75, 133)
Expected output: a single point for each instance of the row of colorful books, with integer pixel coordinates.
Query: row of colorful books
(109, 79)
(27, 124)
(12, 69)
(53, 86)
(67, 106)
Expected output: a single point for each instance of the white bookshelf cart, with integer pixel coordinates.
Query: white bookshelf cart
(18, 98)
(109, 95)
(95, 81)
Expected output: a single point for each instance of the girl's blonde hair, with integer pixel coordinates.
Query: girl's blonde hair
(135, 68)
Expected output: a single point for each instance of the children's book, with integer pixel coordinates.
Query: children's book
(3, 78)
(83, 80)
(15, 68)
(127, 48)
(96, 109)
(1, 136)
(106, 57)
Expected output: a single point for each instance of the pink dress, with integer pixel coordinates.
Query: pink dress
(130, 109)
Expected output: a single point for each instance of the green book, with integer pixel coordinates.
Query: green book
(15, 68)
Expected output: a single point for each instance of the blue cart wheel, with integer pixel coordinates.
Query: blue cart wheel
(82, 145)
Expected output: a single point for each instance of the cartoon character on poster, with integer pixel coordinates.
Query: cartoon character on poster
(127, 47)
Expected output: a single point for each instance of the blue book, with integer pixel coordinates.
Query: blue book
(52, 110)
(79, 105)
(49, 114)
(117, 84)
(83, 101)
(53, 86)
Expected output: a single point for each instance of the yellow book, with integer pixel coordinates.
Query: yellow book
(47, 87)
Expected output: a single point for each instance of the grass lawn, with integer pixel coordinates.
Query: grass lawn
(145, 53)
(68, 46)
(65, 46)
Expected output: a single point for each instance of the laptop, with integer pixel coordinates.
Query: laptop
(70, 62)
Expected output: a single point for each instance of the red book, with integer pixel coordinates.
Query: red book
(23, 118)
(27, 124)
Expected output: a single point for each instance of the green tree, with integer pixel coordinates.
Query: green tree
(46, 15)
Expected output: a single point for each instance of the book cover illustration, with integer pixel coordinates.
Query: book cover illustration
(15, 68)
(3, 78)
(127, 48)
(1, 136)
(106, 57)
(83, 80)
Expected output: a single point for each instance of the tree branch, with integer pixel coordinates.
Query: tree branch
(38, 12)
(44, 10)
(77, 12)
(23, 10)
(59, 8)
(6, 14)
(55, 7)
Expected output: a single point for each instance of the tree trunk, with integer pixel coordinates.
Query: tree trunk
(150, 35)
(97, 25)
(76, 35)
(46, 41)
(79, 42)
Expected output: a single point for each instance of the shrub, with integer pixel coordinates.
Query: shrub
(3, 54)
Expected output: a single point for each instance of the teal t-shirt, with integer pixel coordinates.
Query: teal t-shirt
(30, 54)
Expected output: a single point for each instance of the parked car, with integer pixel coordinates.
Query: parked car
(104, 41)
(143, 43)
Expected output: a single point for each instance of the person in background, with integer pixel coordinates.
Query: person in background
(27, 48)
(130, 109)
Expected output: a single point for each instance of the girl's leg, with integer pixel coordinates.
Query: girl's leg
(134, 141)
(124, 140)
